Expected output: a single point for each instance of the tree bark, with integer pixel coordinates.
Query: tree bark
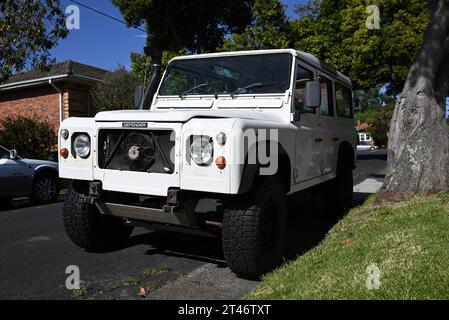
(418, 150)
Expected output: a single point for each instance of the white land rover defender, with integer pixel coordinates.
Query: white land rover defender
(244, 129)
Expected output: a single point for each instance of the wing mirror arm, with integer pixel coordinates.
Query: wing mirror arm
(13, 154)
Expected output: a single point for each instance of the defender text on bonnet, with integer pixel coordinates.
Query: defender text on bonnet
(237, 130)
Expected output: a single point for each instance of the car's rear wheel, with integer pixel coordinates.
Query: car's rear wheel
(89, 229)
(45, 188)
(338, 194)
(254, 230)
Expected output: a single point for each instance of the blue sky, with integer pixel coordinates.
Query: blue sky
(105, 43)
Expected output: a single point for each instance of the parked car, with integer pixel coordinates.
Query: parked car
(198, 137)
(366, 147)
(25, 177)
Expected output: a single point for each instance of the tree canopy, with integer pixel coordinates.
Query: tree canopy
(269, 29)
(335, 31)
(28, 31)
(116, 91)
(198, 26)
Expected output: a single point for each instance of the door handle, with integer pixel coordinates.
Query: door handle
(319, 140)
(336, 139)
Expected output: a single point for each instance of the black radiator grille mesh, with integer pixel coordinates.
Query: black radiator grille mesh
(136, 150)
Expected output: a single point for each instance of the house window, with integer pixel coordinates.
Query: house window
(344, 101)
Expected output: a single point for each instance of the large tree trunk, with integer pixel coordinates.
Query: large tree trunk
(419, 138)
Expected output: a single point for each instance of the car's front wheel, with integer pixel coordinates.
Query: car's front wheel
(254, 230)
(87, 227)
(45, 188)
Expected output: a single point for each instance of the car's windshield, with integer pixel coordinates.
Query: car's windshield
(255, 74)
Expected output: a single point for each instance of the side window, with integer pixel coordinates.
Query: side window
(327, 106)
(302, 76)
(4, 154)
(344, 101)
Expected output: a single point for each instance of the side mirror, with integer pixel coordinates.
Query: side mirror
(138, 96)
(312, 95)
(13, 154)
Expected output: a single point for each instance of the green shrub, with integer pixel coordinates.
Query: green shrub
(31, 137)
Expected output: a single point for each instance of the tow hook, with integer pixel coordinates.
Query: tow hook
(95, 189)
(173, 201)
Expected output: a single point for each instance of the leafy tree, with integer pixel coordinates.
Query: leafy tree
(419, 137)
(141, 64)
(116, 91)
(269, 29)
(198, 26)
(379, 120)
(32, 137)
(364, 99)
(335, 31)
(28, 31)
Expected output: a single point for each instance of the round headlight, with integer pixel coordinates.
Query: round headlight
(202, 151)
(221, 139)
(64, 134)
(82, 145)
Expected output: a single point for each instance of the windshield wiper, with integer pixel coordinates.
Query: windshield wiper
(253, 85)
(182, 95)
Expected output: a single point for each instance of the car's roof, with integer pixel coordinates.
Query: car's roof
(304, 56)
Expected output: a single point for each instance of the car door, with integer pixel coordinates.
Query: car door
(308, 140)
(13, 180)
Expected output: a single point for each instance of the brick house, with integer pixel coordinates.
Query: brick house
(61, 92)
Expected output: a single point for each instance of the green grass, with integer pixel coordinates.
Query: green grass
(408, 241)
(148, 272)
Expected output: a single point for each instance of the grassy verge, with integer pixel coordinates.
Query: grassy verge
(407, 241)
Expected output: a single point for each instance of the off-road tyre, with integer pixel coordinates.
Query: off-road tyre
(338, 194)
(89, 229)
(255, 230)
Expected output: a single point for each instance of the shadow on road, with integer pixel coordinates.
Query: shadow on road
(24, 203)
(308, 226)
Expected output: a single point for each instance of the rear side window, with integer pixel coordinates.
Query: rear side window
(327, 106)
(344, 101)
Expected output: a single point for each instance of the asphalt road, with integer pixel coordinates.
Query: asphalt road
(35, 252)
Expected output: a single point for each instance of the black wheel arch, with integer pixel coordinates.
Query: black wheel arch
(43, 171)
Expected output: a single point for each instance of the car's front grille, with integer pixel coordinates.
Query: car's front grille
(136, 150)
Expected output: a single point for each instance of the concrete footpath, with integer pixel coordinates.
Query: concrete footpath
(370, 185)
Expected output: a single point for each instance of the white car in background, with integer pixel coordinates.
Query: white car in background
(362, 147)
(25, 177)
